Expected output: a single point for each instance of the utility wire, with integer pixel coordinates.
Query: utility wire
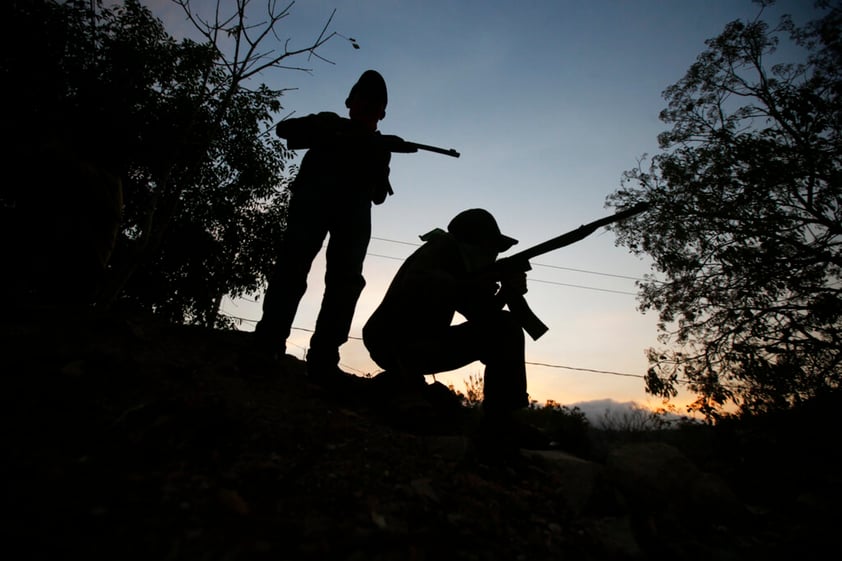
(386, 256)
(584, 287)
(544, 364)
(547, 365)
(533, 264)
(392, 257)
(547, 281)
(396, 241)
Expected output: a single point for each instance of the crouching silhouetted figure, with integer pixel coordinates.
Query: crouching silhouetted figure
(411, 334)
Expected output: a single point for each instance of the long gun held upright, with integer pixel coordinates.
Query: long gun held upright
(520, 262)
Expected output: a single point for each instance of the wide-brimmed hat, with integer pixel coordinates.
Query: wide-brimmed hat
(478, 227)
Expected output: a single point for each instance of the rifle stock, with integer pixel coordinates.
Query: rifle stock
(519, 262)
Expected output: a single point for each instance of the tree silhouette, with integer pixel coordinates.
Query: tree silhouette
(218, 181)
(184, 125)
(745, 226)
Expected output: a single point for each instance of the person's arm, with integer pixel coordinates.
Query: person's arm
(312, 130)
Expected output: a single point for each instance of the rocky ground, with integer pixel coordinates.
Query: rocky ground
(127, 439)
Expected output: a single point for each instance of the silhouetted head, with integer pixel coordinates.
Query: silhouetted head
(477, 227)
(368, 98)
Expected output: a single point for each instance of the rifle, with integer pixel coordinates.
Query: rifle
(306, 132)
(519, 262)
(397, 144)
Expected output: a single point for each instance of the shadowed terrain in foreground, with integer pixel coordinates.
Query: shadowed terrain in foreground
(130, 439)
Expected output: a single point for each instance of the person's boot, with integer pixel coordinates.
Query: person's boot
(324, 371)
(263, 354)
(407, 402)
(501, 434)
(448, 405)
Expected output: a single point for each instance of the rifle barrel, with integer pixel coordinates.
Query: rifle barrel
(517, 305)
(574, 236)
(427, 147)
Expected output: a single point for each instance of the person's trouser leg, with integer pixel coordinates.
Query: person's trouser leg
(505, 367)
(303, 238)
(497, 343)
(349, 236)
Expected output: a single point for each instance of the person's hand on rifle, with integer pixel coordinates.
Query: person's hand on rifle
(513, 283)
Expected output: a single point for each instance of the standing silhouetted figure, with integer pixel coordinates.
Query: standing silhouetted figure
(411, 334)
(342, 173)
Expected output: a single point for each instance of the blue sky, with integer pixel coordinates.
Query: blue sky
(548, 102)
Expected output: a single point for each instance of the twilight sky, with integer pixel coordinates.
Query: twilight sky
(548, 102)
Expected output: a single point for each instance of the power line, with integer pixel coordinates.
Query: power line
(584, 287)
(533, 264)
(544, 281)
(547, 365)
(588, 272)
(386, 256)
(396, 241)
(531, 363)
(544, 364)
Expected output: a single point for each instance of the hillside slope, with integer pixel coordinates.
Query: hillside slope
(128, 439)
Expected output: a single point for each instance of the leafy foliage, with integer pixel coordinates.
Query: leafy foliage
(181, 123)
(745, 226)
(635, 419)
(567, 427)
(473, 396)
